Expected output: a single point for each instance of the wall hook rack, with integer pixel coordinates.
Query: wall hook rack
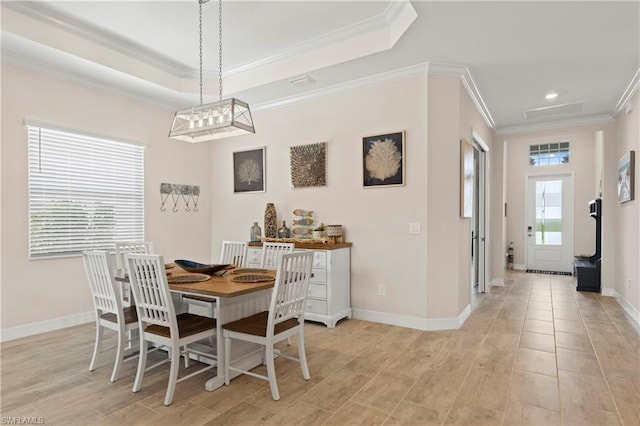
(189, 193)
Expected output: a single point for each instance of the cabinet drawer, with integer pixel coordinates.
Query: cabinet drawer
(254, 256)
(317, 291)
(319, 276)
(317, 306)
(319, 259)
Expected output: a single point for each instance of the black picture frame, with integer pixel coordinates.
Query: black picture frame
(249, 171)
(383, 160)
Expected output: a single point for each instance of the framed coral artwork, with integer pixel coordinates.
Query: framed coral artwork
(248, 171)
(383, 162)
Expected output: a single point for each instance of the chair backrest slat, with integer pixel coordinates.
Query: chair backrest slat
(151, 290)
(101, 282)
(290, 289)
(124, 247)
(234, 253)
(272, 251)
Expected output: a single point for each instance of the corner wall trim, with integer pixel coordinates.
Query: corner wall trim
(425, 324)
(33, 328)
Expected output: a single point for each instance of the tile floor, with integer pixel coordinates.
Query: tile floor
(533, 352)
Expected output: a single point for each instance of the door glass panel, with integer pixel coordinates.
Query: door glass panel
(549, 212)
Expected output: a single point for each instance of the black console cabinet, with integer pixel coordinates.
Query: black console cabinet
(586, 269)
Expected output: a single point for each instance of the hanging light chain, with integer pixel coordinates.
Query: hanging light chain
(200, 3)
(220, 47)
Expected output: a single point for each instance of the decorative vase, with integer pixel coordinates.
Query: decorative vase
(284, 232)
(270, 224)
(256, 232)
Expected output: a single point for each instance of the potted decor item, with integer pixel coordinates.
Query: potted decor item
(320, 232)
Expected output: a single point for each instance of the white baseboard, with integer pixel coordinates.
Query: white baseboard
(497, 282)
(608, 291)
(425, 324)
(628, 307)
(518, 267)
(33, 328)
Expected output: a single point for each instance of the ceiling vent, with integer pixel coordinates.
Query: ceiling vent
(570, 108)
(302, 81)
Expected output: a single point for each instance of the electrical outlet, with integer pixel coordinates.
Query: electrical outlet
(381, 290)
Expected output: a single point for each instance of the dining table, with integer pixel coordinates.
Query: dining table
(236, 296)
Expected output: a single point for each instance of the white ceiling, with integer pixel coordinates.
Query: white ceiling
(510, 53)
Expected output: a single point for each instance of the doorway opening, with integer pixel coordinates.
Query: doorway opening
(478, 220)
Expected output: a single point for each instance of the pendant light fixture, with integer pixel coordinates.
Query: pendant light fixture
(217, 120)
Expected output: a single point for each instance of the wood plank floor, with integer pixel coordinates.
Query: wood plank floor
(532, 352)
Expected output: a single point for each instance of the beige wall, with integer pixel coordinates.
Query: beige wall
(581, 165)
(426, 275)
(42, 290)
(375, 220)
(469, 122)
(627, 215)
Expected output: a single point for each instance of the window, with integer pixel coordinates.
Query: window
(548, 154)
(549, 212)
(84, 192)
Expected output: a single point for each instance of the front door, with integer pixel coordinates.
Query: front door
(549, 223)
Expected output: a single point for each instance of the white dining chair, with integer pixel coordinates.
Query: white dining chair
(110, 314)
(122, 248)
(285, 318)
(271, 251)
(234, 253)
(159, 323)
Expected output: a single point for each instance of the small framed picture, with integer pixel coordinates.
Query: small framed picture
(248, 171)
(383, 162)
(626, 177)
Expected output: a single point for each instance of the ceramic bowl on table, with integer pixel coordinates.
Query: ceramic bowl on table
(199, 268)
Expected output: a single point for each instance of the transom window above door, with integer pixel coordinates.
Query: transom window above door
(549, 154)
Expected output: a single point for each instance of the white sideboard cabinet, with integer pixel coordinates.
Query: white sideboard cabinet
(329, 296)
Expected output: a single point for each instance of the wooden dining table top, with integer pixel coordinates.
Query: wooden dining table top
(220, 284)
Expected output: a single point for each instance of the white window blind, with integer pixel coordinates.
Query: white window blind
(85, 192)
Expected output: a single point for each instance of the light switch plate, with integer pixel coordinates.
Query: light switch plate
(414, 227)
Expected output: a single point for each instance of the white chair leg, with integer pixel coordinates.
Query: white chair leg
(271, 372)
(302, 356)
(173, 376)
(227, 359)
(142, 365)
(186, 357)
(96, 347)
(119, 354)
(212, 339)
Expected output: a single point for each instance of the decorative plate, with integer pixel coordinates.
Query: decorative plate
(199, 268)
(253, 278)
(249, 271)
(188, 278)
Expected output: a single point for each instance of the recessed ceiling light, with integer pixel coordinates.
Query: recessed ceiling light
(551, 95)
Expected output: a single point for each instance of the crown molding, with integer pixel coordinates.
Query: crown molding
(555, 125)
(392, 13)
(48, 16)
(414, 70)
(631, 89)
(476, 97)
